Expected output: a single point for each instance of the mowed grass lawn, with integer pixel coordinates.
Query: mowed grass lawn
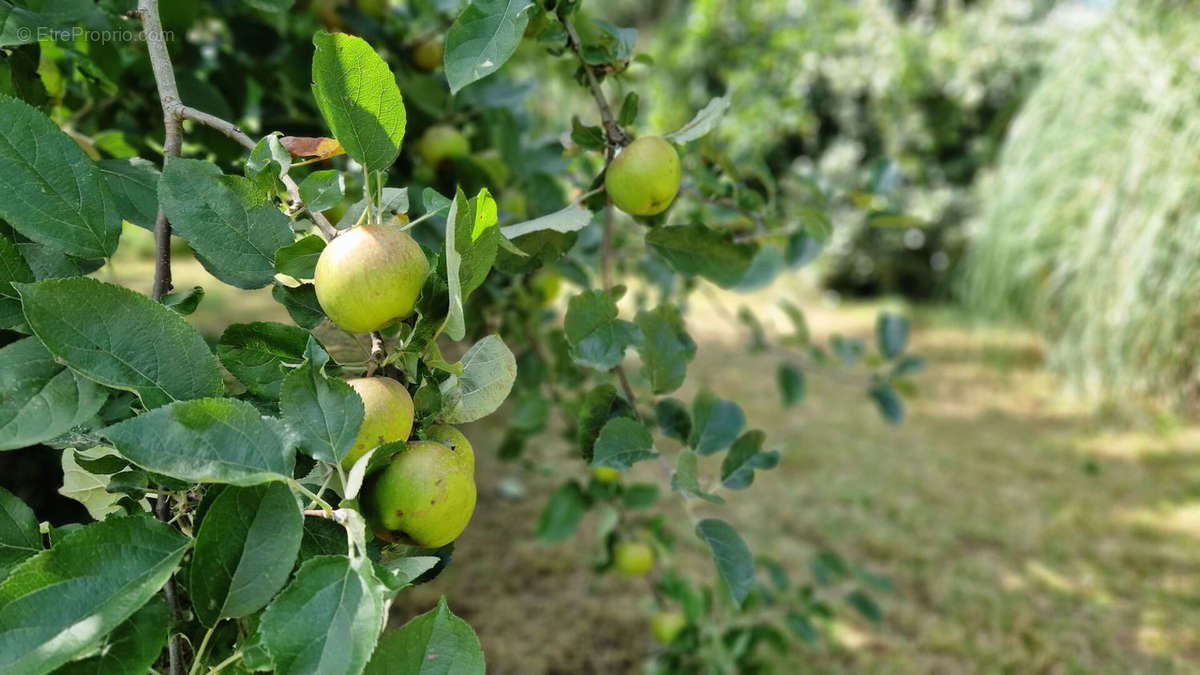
(1022, 532)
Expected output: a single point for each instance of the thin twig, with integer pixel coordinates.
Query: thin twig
(168, 94)
(616, 135)
(233, 132)
(378, 352)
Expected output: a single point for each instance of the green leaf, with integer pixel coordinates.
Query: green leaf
(323, 190)
(622, 443)
(131, 648)
(12, 268)
(598, 407)
(258, 354)
(586, 136)
(686, 478)
(716, 423)
(666, 350)
(234, 231)
(39, 397)
(184, 302)
(324, 412)
(696, 250)
(301, 304)
(891, 334)
(121, 339)
(802, 627)
(88, 485)
(271, 5)
(245, 550)
(210, 440)
(890, 405)
(133, 184)
(629, 110)
(597, 337)
(268, 161)
(705, 121)
(865, 605)
(472, 240)
(483, 38)
(60, 602)
(359, 99)
(673, 419)
(746, 455)
(19, 25)
(790, 379)
(400, 573)
(19, 534)
(434, 643)
(489, 370)
(640, 496)
(54, 194)
(562, 514)
(299, 259)
(327, 620)
(796, 315)
(735, 565)
(570, 219)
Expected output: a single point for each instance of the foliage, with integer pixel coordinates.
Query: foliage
(259, 536)
(1094, 235)
(888, 108)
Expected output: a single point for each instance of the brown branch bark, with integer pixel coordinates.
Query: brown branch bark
(168, 94)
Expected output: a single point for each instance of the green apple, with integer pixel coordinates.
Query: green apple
(456, 441)
(389, 415)
(440, 143)
(606, 474)
(426, 495)
(633, 558)
(666, 626)
(427, 55)
(644, 178)
(370, 276)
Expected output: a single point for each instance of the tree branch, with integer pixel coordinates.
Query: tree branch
(233, 132)
(168, 95)
(615, 134)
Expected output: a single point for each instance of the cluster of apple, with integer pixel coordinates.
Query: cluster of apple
(366, 278)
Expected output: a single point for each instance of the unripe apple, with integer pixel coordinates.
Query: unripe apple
(666, 626)
(441, 142)
(644, 178)
(633, 558)
(456, 441)
(606, 474)
(427, 55)
(425, 495)
(388, 418)
(370, 276)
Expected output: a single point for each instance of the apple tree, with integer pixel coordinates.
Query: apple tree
(259, 503)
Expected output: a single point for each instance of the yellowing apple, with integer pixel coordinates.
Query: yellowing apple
(644, 178)
(388, 418)
(426, 495)
(440, 143)
(606, 474)
(456, 441)
(370, 276)
(633, 558)
(427, 55)
(666, 626)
